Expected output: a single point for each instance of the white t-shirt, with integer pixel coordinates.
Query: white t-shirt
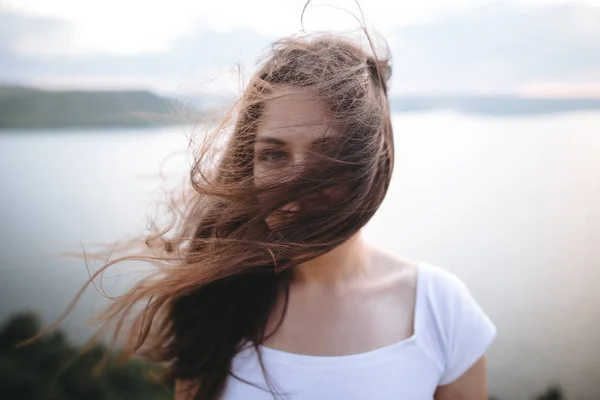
(451, 332)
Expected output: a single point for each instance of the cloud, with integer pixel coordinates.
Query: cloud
(16, 30)
(502, 47)
(201, 54)
(18, 34)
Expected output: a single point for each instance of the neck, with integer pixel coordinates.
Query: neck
(346, 261)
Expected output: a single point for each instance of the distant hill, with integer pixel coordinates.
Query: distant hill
(482, 105)
(493, 105)
(28, 108)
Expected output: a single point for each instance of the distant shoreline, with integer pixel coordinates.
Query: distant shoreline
(30, 109)
(23, 108)
(494, 105)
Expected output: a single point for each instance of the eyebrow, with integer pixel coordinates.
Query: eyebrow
(323, 142)
(271, 140)
(278, 142)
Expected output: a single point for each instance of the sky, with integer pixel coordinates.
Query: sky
(523, 47)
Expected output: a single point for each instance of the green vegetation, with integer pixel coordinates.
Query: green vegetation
(554, 393)
(27, 108)
(53, 369)
(551, 394)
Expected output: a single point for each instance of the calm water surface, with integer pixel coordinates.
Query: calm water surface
(511, 205)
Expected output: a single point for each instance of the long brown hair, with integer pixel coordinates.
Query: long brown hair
(219, 267)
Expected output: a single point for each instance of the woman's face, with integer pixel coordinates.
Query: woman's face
(292, 129)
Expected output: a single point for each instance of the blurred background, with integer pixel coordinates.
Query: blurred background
(497, 124)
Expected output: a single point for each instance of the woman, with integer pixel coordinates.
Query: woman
(268, 289)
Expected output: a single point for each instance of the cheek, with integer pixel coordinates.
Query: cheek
(256, 175)
(262, 179)
(260, 175)
(337, 193)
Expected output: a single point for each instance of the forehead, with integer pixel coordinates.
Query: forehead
(294, 116)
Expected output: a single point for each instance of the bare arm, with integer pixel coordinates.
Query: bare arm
(472, 385)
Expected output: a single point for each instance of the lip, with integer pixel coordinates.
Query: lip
(289, 207)
(312, 201)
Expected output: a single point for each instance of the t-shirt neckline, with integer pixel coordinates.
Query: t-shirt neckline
(381, 352)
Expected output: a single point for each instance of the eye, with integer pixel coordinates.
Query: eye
(272, 155)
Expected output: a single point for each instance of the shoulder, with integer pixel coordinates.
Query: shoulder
(442, 284)
(434, 282)
(405, 272)
(454, 327)
(444, 297)
(394, 273)
(391, 264)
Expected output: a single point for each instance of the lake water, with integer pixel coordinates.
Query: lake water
(511, 205)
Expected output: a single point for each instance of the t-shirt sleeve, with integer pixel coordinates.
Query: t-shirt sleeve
(468, 331)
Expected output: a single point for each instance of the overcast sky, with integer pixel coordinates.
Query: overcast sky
(531, 47)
